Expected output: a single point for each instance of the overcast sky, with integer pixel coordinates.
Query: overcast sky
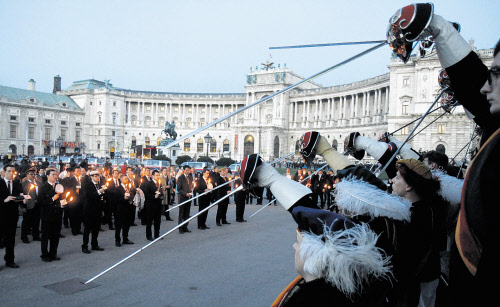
(204, 46)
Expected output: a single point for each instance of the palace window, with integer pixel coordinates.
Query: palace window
(199, 145)
(47, 134)
(63, 123)
(162, 108)
(77, 135)
(13, 131)
(31, 132)
(63, 134)
(31, 120)
(225, 146)
(404, 131)
(148, 141)
(148, 121)
(13, 118)
(148, 107)
(187, 145)
(441, 128)
(78, 124)
(213, 145)
(405, 109)
(406, 81)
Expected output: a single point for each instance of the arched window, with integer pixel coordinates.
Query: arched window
(158, 141)
(335, 145)
(31, 150)
(199, 145)
(276, 146)
(134, 142)
(213, 145)
(13, 149)
(187, 145)
(147, 141)
(248, 145)
(225, 145)
(440, 148)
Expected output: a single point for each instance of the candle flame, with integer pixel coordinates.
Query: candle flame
(71, 199)
(32, 186)
(67, 194)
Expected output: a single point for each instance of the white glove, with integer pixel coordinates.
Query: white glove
(406, 152)
(372, 147)
(450, 45)
(286, 191)
(335, 160)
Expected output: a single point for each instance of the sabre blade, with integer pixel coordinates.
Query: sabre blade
(328, 44)
(223, 118)
(163, 235)
(199, 195)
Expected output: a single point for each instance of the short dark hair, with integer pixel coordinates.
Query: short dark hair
(437, 157)
(205, 170)
(186, 166)
(425, 188)
(8, 165)
(49, 171)
(129, 168)
(154, 172)
(497, 49)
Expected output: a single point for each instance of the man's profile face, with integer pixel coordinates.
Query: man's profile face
(206, 174)
(156, 177)
(9, 172)
(492, 91)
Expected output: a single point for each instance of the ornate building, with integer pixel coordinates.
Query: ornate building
(35, 123)
(116, 119)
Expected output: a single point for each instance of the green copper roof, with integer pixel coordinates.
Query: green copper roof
(89, 84)
(46, 99)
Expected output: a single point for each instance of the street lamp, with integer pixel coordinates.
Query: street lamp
(207, 138)
(59, 142)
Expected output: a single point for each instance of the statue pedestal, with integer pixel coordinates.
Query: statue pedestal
(173, 151)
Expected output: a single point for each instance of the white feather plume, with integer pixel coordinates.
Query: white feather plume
(451, 187)
(347, 259)
(359, 197)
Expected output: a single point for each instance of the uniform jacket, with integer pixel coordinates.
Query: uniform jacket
(51, 210)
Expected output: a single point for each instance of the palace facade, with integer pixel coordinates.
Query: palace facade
(115, 119)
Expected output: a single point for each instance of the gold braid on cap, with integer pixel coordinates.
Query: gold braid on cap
(416, 166)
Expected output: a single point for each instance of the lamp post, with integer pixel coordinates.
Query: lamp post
(59, 142)
(207, 138)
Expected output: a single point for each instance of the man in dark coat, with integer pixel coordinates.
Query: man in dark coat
(10, 194)
(92, 197)
(31, 216)
(185, 189)
(51, 216)
(203, 184)
(317, 185)
(239, 199)
(222, 191)
(153, 195)
(124, 198)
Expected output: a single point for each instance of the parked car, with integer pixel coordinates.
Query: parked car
(197, 166)
(234, 167)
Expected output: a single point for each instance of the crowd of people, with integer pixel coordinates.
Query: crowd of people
(85, 200)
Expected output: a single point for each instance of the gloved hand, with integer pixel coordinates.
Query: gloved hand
(287, 192)
(362, 173)
(335, 160)
(450, 45)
